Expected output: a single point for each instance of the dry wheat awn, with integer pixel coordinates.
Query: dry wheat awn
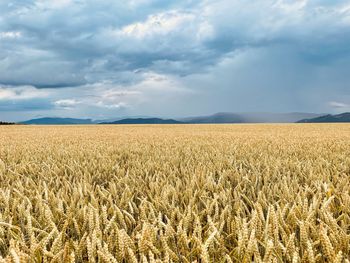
(173, 193)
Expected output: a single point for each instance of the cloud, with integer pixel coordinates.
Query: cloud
(10, 35)
(115, 106)
(267, 79)
(23, 98)
(175, 57)
(154, 90)
(52, 4)
(21, 93)
(159, 24)
(339, 105)
(67, 103)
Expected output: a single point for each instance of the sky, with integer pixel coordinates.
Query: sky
(104, 59)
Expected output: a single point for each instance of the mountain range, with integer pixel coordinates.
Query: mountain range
(58, 121)
(144, 121)
(251, 117)
(223, 117)
(343, 117)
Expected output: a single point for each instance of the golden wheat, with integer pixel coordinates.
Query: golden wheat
(175, 193)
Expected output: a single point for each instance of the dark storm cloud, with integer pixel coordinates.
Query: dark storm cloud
(201, 56)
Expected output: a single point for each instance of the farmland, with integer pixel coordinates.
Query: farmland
(175, 193)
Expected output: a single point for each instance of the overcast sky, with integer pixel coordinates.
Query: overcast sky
(106, 58)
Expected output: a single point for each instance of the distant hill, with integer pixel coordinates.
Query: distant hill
(228, 117)
(58, 121)
(344, 117)
(221, 117)
(144, 121)
(122, 118)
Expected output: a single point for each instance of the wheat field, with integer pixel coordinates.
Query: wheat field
(175, 193)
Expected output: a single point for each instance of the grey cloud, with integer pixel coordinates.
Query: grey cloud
(23, 98)
(83, 32)
(222, 51)
(339, 105)
(270, 79)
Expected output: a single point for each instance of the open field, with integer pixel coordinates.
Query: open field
(186, 193)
